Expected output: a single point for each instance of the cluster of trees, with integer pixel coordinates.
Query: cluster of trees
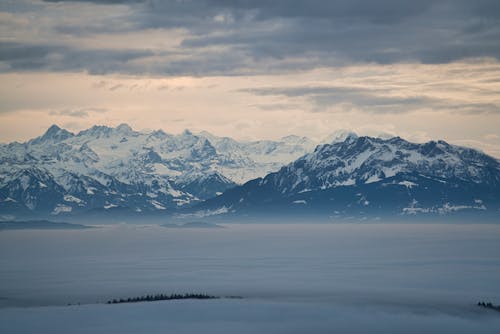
(161, 296)
(489, 305)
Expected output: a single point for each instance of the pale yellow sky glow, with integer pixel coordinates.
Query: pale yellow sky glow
(460, 103)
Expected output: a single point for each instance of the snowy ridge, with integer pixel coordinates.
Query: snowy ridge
(369, 178)
(363, 160)
(103, 167)
(122, 170)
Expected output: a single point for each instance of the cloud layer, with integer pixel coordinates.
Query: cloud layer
(216, 37)
(254, 68)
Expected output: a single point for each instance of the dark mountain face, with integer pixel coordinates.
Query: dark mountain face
(206, 186)
(371, 178)
(53, 134)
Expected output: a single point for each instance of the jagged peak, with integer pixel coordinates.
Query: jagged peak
(291, 137)
(95, 130)
(203, 143)
(339, 136)
(100, 127)
(158, 134)
(385, 135)
(124, 127)
(207, 134)
(53, 133)
(53, 128)
(294, 139)
(396, 139)
(444, 143)
(351, 136)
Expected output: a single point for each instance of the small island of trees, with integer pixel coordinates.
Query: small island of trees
(489, 306)
(161, 296)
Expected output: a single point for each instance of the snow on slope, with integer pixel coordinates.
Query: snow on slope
(105, 167)
(373, 177)
(364, 160)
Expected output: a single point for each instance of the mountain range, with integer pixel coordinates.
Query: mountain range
(101, 168)
(365, 178)
(118, 172)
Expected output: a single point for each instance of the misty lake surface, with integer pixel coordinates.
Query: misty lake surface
(419, 269)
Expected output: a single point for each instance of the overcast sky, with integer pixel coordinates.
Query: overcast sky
(254, 69)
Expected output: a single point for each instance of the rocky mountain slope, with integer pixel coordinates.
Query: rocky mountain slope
(105, 168)
(371, 178)
(122, 172)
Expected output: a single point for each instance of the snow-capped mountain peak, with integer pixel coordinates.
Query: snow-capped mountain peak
(360, 160)
(363, 177)
(53, 134)
(105, 168)
(124, 129)
(338, 136)
(116, 167)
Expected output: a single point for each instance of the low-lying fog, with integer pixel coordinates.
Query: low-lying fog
(417, 269)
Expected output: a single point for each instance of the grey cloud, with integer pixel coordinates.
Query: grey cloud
(78, 113)
(71, 113)
(114, 27)
(379, 11)
(432, 38)
(476, 108)
(100, 1)
(276, 106)
(324, 97)
(485, 47)
(371, 100)
(315, 8)
(26, 57)
(279, 36)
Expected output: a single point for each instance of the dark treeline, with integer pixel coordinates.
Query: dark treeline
(489, 306)
(161, 296)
